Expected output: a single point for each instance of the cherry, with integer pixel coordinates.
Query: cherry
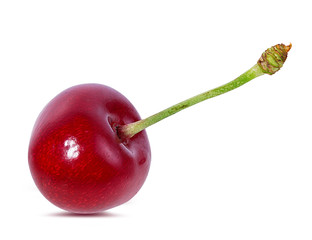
(76, 158)
(89, 151)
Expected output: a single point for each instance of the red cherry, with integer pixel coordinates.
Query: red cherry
(76, 158)
(89, 151)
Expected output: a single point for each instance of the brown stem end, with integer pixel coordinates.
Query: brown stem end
(273, 58)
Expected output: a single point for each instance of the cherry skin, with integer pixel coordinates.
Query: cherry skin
(76, 157)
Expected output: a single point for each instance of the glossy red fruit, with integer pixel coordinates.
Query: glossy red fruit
(75, 156)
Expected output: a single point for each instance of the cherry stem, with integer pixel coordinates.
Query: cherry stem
(270, 62)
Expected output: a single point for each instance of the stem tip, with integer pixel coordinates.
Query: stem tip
(273, 58)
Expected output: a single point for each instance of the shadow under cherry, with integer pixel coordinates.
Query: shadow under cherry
(76, 215)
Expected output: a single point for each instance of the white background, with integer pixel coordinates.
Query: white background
(238, 166)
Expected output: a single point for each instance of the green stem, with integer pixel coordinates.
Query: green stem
(264, 64)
